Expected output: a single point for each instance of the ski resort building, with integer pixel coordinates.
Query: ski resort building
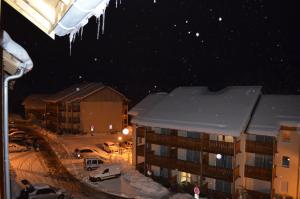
(87, 108)
(226, 140)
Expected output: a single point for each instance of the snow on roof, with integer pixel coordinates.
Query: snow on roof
(147, 103)
(66, 92)
(196, 109)
(274, 111)
(78, 92)
(35, 100)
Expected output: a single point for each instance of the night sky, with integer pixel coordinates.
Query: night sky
(149, 47)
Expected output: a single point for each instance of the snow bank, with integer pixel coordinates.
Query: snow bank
(181, 196)
(144, 184)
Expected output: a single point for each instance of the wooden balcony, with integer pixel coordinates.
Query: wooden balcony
(170, 163)
(140, 150)
(260, 147)
(258, 195)
(218, 173)
(140, 132)
(258, 173)
(218, 194)
(172, 140)
(213, 146)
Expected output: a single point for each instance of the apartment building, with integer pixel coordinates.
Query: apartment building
(88, 108)
(225, 140)
(34, 106)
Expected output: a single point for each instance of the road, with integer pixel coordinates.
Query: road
(43, 167)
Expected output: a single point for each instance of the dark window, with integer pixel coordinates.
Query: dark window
(225, 161)
(105, 171)
(223, 186)
(193, 134)
(86, 151)
(45, 191)
(94, 162)
(89, 162)
(193, 156)
(263, 161)
(286, 161)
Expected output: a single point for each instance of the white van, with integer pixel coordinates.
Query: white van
(105, 172)
(92, 163)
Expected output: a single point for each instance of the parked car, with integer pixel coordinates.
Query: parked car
(92, 163)
(105, 172)
(17, 136)
(110, 147)
(12, 148)
(85, 152)
(41, 191)
(126, 144)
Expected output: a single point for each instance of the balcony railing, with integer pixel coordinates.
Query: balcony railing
(218, 194)
(173, 140)
(213, 146)
(140, 150)
(260, 147)
(258, 173)
(140, 132)
(258, 195)
(218, 173)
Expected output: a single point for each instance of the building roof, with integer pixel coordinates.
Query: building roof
(35, 101)
(274, 111)
(196, 109)
(147, 103)
(78, 92)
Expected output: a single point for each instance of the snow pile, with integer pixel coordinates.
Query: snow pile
(144, 184)
(181, 196)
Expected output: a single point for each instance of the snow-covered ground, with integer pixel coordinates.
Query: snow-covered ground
(130, 184)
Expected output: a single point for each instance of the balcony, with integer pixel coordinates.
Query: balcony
(218, 173)
(258, 195)
(260, 147)
(173, 140)
(170, 163)
(213, 146)
(258, 173)
(140, 150)
(219, 194)
(140, 132)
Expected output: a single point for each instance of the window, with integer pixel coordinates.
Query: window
(286, 161)
(94, 162)
(223, 186)
(105, 171)
(193, 156)
(45, 191)
(185, 177)
(86, 151)
(285, 136)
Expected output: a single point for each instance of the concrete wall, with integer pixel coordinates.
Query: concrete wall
(287, 178)
(102, 109)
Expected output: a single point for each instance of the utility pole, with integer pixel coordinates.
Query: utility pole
(1, 116)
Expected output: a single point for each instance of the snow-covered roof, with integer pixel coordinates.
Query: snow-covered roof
(196, 109)
(35, 100)
(274, 111)
(78, 92)
(147, 103)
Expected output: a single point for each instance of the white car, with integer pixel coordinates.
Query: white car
(41, 191)
(86, 152)
(110, 147)
(17, 136)
(16, 148)
(105, 172)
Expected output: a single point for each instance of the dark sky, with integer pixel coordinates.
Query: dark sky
(151, 47)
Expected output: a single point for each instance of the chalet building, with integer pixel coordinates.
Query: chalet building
(87, 108)
(34, 107)
(223, 140)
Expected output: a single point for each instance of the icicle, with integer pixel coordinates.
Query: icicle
(154, 1)
(98, 26)
(116, 3)
(120, 2)
(81, 32)
(103, 21)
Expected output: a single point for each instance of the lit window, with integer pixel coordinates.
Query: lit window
(110, 127)
(185, 177)
(285, 136)
(286, 161)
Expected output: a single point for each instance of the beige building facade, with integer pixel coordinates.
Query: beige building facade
(253, 147)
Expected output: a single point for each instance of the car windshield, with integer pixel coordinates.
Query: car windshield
(86, 151)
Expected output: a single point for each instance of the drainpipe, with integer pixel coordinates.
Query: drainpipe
(7, 192)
